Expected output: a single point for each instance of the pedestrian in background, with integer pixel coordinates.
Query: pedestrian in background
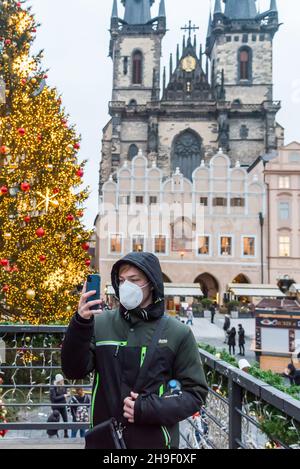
(190, 316)
(58, 397)
(232, 340)
(241, 333)
(212, 313)
(226, 327)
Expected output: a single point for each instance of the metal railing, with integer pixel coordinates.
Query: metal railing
(233, 417)
(237, 412)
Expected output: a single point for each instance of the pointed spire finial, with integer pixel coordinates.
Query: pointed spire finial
(162, 9)
(177, 56)
(209, 27)
(273, 6)
(218, 8)
(115, 10)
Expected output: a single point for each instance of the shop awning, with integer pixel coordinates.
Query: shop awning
(264, 291)
(182, 289)
(172, 289)
(295, 288)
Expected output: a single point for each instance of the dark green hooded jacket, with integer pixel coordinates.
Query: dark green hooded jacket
(114, 346)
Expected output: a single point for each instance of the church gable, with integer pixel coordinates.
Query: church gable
(188, 81)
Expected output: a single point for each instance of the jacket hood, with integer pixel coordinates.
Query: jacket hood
(149, 264)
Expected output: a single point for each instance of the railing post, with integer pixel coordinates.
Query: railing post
(235, 419)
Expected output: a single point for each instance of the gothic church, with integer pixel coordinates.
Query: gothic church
(215, 96)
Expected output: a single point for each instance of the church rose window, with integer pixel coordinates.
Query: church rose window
(137, 63)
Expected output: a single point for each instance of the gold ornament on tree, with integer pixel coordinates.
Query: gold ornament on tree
(30, 294)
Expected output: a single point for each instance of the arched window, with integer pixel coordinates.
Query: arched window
(137, 68)
(132, 151)
(187, 152)
(132, 103)
(245, 58)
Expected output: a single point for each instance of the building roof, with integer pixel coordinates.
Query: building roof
(240, 9)
(137, 11)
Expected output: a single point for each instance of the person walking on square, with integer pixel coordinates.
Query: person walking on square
(226, 327)
(241, 333)
(232, 340)
(58, 397)
(213, 313)
(190, 316)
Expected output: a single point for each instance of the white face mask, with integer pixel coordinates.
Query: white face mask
(131, 295)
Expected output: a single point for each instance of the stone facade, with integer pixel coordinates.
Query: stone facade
(163, 139)
(282, 175)
(209, 99)
(208, 228)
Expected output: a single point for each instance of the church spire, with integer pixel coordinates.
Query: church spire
(240, 9)
(218, 8)
(209, 27)
(115, 10)
(162, 9)
(273, 6)
(137, 11)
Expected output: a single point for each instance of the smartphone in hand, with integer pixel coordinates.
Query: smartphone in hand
(93, 283)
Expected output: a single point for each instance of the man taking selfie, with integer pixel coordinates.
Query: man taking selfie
(114, 344)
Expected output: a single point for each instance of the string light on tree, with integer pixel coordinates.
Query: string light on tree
(40, 187)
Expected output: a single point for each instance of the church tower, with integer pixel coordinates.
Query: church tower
(135, 49)
(240, 47)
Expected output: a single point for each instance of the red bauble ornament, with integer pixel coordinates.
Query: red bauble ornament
(4, 262)
(4, 150)
(7, 42)
(88, 262)
(40, 138)
(40, 232)
(4, 190)
(25, 186)
(45, 77)
(34, 30)
(80, 173)
(42, 258)
(5, 288)
(19, 5)
(27, 219)
(77, 146)
(70, 217)
(22, 131)
(55, 190)
(23, 81)
(85, 246)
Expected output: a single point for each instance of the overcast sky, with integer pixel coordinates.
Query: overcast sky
(74, 35)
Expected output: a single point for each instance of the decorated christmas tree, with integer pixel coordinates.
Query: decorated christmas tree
(43, 243)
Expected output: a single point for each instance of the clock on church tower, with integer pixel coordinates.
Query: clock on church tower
(188, 63)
